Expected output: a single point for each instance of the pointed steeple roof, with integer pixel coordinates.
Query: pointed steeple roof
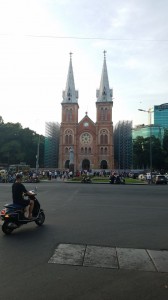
(104, 94)
(70, 95)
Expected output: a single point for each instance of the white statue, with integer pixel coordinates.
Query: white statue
(71, 156)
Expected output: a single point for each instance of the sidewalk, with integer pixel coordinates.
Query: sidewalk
(111, 257)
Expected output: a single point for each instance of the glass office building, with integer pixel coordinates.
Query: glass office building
(144, 130)
(161, 115)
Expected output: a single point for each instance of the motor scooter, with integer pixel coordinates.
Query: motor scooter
(86, 179)
(116, 179)
(14, 215)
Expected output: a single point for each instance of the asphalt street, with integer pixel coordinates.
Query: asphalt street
(93, 215)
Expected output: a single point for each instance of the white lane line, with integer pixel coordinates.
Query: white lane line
(134, 259)
(160, 259)
(68, 254)
(102, 257)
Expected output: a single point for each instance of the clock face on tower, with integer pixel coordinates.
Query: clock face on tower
(85, 138)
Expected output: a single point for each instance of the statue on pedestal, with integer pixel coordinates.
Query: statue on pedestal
(71, 155)
(71, 159)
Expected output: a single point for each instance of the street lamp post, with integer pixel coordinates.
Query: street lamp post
(149, 111)
(37, 155)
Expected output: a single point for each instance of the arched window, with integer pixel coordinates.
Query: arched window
(105, 139)
(101, 139)
(105, 150)
(69, 114)
(89, 150)
(66, 150)
(66, 139)
(70, 140)
(101, 150)
(82, 150)
(102, 114)
(85, 150)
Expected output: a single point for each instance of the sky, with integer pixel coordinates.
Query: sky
(36, 37)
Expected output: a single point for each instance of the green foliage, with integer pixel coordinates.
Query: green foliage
(141, 153)
(19, 145)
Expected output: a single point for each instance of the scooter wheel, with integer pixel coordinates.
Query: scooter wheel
(40, 219)
(6, 229)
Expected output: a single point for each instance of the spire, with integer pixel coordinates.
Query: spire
(70, 95)
(104, 94)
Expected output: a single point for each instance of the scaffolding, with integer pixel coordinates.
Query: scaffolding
(51, 152)
(123, 145)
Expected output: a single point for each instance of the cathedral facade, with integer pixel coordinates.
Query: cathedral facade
(84, 144)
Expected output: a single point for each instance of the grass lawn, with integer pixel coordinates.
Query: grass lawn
(106, 180)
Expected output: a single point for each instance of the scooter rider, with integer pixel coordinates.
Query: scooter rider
(18, 192)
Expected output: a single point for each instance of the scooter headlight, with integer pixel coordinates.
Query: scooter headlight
(6, 216)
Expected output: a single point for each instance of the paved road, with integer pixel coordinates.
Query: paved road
(99, 216)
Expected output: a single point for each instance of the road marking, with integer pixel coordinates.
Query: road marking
(110, 257)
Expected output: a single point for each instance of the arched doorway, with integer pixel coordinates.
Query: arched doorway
(67, 164)
(86, 164)
(103, 164)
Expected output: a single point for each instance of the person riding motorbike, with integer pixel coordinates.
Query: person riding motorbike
(18, 192)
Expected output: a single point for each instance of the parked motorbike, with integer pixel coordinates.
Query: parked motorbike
(13, 215)
(86, 179)
(116, 179)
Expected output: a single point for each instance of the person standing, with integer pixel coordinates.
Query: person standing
(148, 177)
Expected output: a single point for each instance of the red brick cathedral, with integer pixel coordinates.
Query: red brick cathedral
(85, 145)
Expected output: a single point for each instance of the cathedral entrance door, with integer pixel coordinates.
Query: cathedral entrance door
(86, 164)
(103, 164)
(67, 164)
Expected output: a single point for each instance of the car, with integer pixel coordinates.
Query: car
(160, 179)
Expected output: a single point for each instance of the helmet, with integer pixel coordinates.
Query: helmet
(18, 176)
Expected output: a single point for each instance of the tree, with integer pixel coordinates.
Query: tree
(165, 148)
(19, 145)
(139, 153)
(142, 154)
(157, 154)
(1, 120)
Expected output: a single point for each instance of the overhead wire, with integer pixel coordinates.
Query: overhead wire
(85, 38)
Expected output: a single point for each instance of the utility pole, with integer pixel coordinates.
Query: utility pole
(37, 155)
